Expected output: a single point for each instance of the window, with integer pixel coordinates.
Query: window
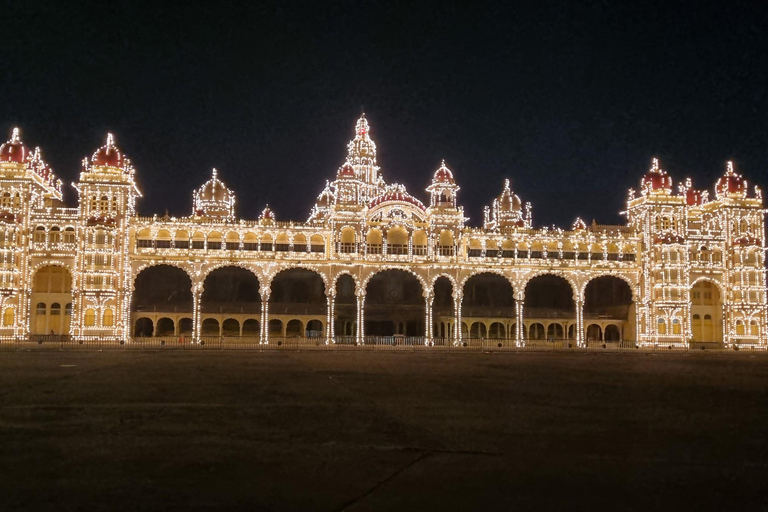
(39, 236)
(90, 318)
(676, 326)
(55, 308)
(662, 329)
(40, 308)
(68, 309)
(108, 318)
(8, 316)
(7, 202)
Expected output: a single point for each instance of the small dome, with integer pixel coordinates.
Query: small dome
(396, 192)
(579, 224)
(731, 184)
(267, 214)
(656, 178)
(443, 175)
(214, 199)
(108, 155)
(14, 150)
(326, 197)
(509, 202)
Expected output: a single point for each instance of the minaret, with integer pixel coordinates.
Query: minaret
(361, 155)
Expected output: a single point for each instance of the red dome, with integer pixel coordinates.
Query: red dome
(444, 174)
(396, 195)
(347, 171)
(656, 178)
(693, 197)
(14, 150)
(731, 183)
(108, 155)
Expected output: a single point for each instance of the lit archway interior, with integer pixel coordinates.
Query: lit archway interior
(488, 307)
(162, 302)
(298, 300)
(549, 309)
(608, 304)
(442, 309)
(394, 304)
(230, 302)
(345, 308)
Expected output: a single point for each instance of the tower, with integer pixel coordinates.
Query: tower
(107, 201)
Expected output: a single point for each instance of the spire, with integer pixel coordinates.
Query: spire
(655, 165)
(362, 125)
(215, 173)
(110, 139)
(729, 168)
(15, 136)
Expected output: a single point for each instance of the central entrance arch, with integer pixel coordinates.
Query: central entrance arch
(488, 307)
(609, 313)
(162, 302)
(394, 304)
(706, 312)
(298, 301)
(51, 301)
(230, 302)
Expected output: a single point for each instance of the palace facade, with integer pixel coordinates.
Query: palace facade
(374, 261)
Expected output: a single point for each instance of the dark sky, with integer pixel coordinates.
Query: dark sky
(570, 102)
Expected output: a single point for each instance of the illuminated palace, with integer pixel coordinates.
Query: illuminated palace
(372, 261)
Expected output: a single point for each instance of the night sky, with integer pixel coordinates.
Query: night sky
(569, 102)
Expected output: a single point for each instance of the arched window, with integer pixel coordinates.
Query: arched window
(55, 235)
(676, 326)
(104, 204)
(662, 326)
(69, 235)
(68, 309)
(55, 308)
(739, 327)
(108, 319)
(8, 316)
(754, 329)
(40, 309)
(39, 236)
(7, 201)
(90, 317)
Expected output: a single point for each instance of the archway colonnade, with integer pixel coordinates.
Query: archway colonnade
(346, 304)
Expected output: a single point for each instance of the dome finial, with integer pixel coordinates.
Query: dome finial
(110, 139)
(362, 125)
(729, 168)
(215, 173)
(655, 165)
(15, 135)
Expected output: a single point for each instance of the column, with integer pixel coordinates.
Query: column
(360, 317)
(580, 322)
(197, 324)
(428, 334)
(457, 298)
(520, 325)
(330, 319)
(264, 331)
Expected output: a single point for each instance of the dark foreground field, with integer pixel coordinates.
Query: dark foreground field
(382, 431)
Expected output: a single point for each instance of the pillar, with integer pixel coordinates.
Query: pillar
(264, 334)
(457, 299)
(580, 340)
(360, 317)
(520, 325)
(330, 319)
(197, 324)
(428, 301)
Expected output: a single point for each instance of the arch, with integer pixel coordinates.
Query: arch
(230, 289)
(299, 243)
(345, 305)
(594, 332)
(555, 331)
(442, 306)
(230, 327)
(317, 243)
(374, 241)
(549, 295)
(51, 284)
(612, 333)
(143, 326)
(8, 317)
(165, 327)
(394, 303)
(536, 331)
(275, 327)
(609, 296)
(185, 326)
(347, 239)
(706, 310)
(108, 318)
(294, 329)
(314, 329)
(251, 327)
(210, 327)
(488, 296)
(298, 291)
(397, 240)
(478, 330)
(163, 288)
(419, 238)
(497, 330)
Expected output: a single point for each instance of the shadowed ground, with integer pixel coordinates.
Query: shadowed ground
(382, 431)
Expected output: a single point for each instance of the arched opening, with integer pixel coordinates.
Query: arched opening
(230, 290)
(275, 328)
(497, 330)
(397, 240)
(314, 329)
(394, 304)
(251, 327)
(706, 312)
(487, 298)
(477, 330)
(594, 333)
(297, 292)
(549, 297)
(143, 327)
(612, 333)
(52, 285)
(230, 327)
(419, 243)
(165, 327)
(610, 298)
(345, 308)
(555, 332)
(161, 289)
(373, 241)
(185, 327)
(294, 329)
(442, 309)
(536, 331)
(210, 327)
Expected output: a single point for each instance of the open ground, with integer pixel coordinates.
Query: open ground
(353, 431)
